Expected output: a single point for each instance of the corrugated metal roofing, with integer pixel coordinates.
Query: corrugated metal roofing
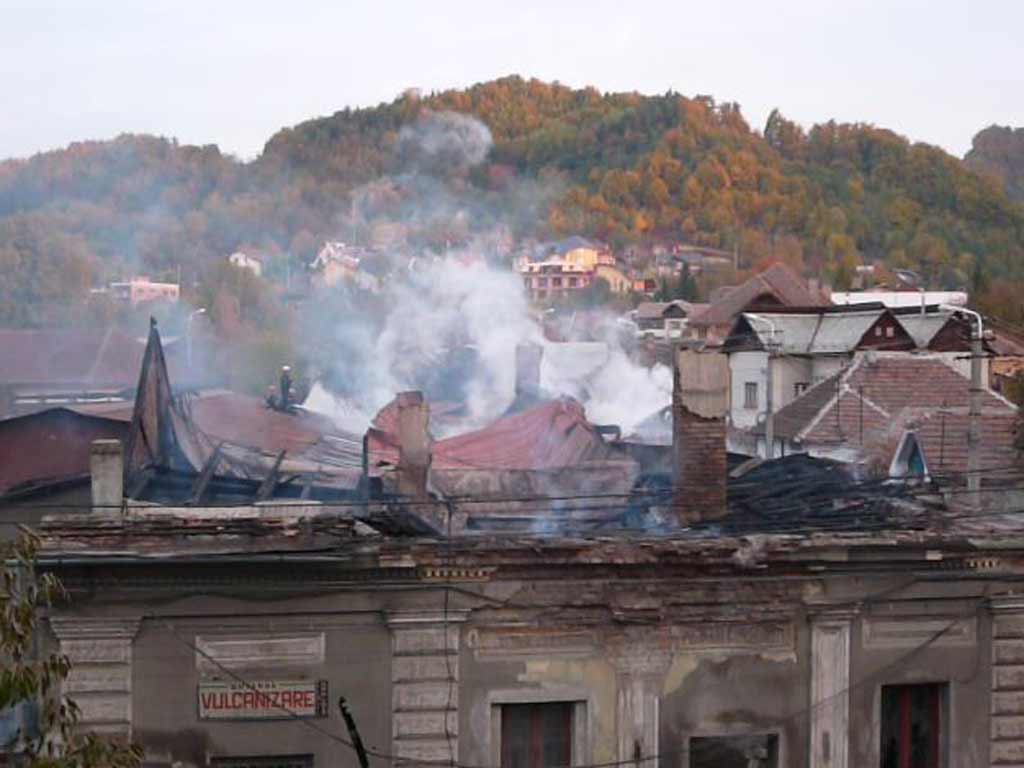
(552, 435)
(67, 356)
(922, 328)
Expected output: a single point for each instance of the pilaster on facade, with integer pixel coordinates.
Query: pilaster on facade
(425, 684)
(1007, 707)
(640, 676)
(100, 680)
(830, 688)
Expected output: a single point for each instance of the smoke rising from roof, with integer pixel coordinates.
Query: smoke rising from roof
(450, 311)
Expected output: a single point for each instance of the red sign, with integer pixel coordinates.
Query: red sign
(262, 700)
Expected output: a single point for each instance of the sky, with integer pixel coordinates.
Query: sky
(232, 73)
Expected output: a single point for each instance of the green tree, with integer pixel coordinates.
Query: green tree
(28, 677)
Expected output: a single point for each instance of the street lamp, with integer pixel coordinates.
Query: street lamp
(188, 335)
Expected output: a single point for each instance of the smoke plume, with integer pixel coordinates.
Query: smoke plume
(450, 311)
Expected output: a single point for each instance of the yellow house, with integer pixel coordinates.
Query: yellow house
(615, 277)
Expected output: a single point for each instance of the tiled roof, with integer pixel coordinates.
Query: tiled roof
(880, 395)
(778, 281)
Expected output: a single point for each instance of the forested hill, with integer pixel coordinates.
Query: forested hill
(623, 167)
(999, 150)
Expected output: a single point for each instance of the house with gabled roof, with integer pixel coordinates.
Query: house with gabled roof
(807, 345)
(861, 413)
(778, 286)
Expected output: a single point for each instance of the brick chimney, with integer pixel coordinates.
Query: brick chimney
(106, 470)
(414, 444)
(528, 357)
(700, 401)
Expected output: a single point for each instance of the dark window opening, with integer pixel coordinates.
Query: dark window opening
(263, 761)
(750, 394)
(759, 750)
(536, 735)
(799, 388)
(912, 726)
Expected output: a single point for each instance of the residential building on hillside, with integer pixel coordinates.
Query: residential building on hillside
(140, 289)
(663, 319)
(337, 262)
(554, 279)
(575, 250)
(245, 261)
(617, 280)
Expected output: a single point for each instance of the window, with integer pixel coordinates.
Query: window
(556, 282)
(890, 332)
(799, 388)
(912, 726)
(760, 750)
(878, 331)
(750, 395)
(572, 282)
(536, 735)
(542, 282)
(269, 761)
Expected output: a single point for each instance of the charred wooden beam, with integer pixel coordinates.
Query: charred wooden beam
(270, 481)
(203, 481)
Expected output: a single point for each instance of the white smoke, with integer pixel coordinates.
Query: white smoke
(450, 324)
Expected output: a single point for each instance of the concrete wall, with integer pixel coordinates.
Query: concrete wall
(648, 663)
(746, 367)
(326, 639)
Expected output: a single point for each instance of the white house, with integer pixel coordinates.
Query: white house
(245, 261)
(807, 346)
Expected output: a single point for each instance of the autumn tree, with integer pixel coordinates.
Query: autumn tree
(33, 679)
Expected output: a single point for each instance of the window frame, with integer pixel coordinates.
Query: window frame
(582, 707)
(945, 714)
(748, 387)
(739, 731)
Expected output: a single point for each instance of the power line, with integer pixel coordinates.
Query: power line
(802, 712)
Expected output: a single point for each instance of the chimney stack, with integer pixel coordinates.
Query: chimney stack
(700, 401)
(414, 444)
(528, 358)
(106, 468)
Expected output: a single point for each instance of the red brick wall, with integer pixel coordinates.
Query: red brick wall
(700, 466)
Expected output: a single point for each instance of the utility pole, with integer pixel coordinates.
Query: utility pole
(974, 408)
(353, 733)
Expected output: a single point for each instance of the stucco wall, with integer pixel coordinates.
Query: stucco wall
(356, 664)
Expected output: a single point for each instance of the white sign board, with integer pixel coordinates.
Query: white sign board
(262, 699)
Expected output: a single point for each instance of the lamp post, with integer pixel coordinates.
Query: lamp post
(188, 335)
(974, 407)
(769, 390)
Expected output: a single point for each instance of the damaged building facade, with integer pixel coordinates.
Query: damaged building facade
(751, 614)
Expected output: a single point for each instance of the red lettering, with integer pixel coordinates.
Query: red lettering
(207, 700)
(237, 699)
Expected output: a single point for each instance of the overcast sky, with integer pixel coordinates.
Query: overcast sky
(233, 72)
